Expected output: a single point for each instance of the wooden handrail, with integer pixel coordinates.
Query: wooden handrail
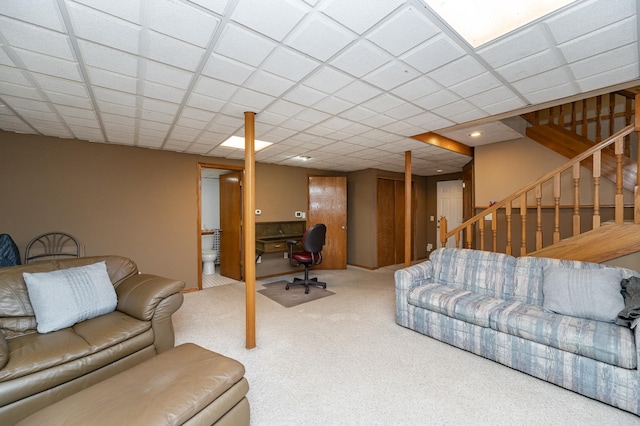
(521, 195)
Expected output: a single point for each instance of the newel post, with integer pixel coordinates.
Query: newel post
(636, 192)
(442, 223)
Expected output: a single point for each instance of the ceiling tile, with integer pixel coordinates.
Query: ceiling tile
(416, 88)
(332, 105)
(117, 109)
(253, 99)
(20, 91)
(531, 65)
(271, 84)
(619, 34)
(610, 60)
(359, 15)
(13, 75)
(360, 59)
(357, 92)
(319, 37)
(162, 92)
(160, 106)
(614, 76)
(108, 59)
(383, 103)
(173, 52)
(289, 64)
(28, 104)
(45, 14)
(391, 75)
(89, 24)
(515, 46)
(286, 108)
(403, 31)
(128, 10)
(358, 113)
(457, 71)
(474, 85)
(328, 80)
(550, 92)
(304, 95)
(312, 115)
(193, 26)
(268, 117)
(542, 81)
(165, 74)
(54, 84)
(228, 70)
(244, 46)
(45, 64)
(114, 96)
(69, 100)
(217, 6)
(103, 78)
(215, 88)
(403, 111)
(275, 19)
(433, 53)
(37, 39)
(592, 15)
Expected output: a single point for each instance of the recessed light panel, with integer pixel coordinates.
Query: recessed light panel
(481, 21)
(238, 142)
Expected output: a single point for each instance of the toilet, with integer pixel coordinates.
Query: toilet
(209, 255)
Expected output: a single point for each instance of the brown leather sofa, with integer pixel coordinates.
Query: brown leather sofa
(37, 370)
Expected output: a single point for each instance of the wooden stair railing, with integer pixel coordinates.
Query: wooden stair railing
(518, 201)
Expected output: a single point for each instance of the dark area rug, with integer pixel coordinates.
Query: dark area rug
(294, 296)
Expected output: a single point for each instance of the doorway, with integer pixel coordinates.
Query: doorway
(450, 205)
(221, 212)
(390, 222)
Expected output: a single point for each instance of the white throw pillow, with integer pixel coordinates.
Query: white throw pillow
(583, 293)
(65, 297)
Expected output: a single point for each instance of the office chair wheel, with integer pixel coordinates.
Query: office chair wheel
(306, 290)
(287, 287)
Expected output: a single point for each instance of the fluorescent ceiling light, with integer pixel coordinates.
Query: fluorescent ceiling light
(238, 142)
(481, 21)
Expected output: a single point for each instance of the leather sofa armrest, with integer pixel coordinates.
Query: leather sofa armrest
(139, 295)
(4, 351)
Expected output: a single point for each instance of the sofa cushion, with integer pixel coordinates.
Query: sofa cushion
(597, 340)
(583, 293)
(478, 271)
(63, 346)
(527, 286)
(68, 296)
(454, 302)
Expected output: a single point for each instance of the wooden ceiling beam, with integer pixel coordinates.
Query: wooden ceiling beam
(444, 142)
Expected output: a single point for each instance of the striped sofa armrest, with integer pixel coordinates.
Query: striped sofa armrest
(405, 280)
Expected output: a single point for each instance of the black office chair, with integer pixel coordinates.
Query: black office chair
(312, 242)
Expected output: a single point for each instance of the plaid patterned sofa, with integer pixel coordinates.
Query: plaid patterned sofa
(491, 304)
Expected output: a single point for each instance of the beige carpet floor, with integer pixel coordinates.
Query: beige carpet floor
(342, 360)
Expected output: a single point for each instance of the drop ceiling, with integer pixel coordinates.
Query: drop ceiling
(344, 82)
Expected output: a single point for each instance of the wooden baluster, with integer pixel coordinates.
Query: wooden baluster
(599, 118)
(576, 199)
(596, 189)
(523, 219)
(552, 116)
(584, 128)
(536, 118)
(469, 236)
(574, 123)
(443, 231)
(481, 227)
(538, 217)
(612, 109)
(619, 209)
(494, 230)
(627, 121)
(457, 239)
(556, 209)
(561, 116)
(508, 249)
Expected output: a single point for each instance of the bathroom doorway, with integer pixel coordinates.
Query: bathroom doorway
(219, 250)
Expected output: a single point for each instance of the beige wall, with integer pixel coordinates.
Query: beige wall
(503, 168)
(135, 202)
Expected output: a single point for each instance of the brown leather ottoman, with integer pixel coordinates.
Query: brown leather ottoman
(186, 385)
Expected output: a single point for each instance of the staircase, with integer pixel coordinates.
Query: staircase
(520, 225)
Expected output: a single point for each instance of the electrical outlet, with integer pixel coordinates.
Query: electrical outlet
(286, 255)
(429, 247)
(259, 259)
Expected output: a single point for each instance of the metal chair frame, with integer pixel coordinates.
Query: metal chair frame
(51, 245)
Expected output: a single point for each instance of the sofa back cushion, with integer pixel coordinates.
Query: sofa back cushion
(527, 287)
(479, 271)
(16, 313)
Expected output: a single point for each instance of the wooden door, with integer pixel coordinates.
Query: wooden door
(450, 205)
(328, 205)
(390, 222)
(230, 225)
